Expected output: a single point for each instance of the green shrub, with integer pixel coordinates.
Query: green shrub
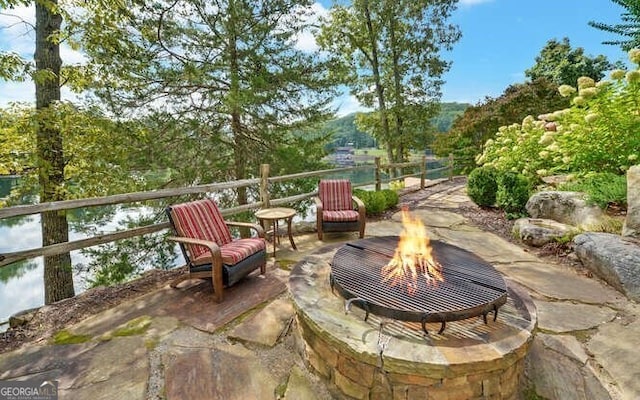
(362, 195)
(391, 198)
(602, 188)
(597, 133)
(512, 194)
(482, 186)
(376, 202)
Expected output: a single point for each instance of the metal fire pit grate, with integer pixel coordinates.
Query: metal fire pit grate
(471, 286)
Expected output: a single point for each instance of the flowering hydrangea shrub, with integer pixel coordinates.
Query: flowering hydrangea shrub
(599, 132)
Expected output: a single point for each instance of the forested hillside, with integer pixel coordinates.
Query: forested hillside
(345, 132)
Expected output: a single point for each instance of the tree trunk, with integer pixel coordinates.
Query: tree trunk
(375, 68)
(239, 148)
(58, 277)
(398, 96)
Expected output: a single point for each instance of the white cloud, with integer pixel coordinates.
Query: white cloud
(26, 92)
(517, 77)
(16, 30)
(347, 104)
(70, 56)
(16, 92)
(305, 40)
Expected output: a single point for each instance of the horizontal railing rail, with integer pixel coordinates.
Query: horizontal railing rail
(265, 201)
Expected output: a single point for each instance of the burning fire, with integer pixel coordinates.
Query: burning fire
(412, 258)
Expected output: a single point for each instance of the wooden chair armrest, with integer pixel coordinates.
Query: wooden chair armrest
(319, 209)
(212, 246)
(259, 230)
(318, 203)
(361, 206)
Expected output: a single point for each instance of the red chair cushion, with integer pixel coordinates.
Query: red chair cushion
(335, 194)
(234, 252)
(200, 219)
(340, 216)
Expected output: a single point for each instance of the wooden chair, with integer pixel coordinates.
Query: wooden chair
(337, 209)
(210, 250)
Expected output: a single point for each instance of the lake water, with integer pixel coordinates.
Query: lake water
(21, 284)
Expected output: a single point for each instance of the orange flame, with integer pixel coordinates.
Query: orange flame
(412, 258)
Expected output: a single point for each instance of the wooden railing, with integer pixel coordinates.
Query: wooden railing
(265, 201)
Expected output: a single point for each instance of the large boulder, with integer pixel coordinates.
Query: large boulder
(568, 208)
(632, 221)
(537, 231)
(613, 258)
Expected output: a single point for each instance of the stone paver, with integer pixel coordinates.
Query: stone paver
(559, 370)
(561, 317)
(556, 283)
(267, 325)
(298, 386)
(227, 372)
(486, 245)
(616, 347)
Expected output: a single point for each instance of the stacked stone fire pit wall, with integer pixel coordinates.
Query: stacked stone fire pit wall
(343, 348)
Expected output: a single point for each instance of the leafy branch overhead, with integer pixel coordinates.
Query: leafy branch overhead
(628, 29)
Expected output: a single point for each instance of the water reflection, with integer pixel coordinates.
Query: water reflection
(22, 283)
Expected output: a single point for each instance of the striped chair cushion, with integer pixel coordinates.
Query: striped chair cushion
(234, 252)
(340, 216)
(200, 219)
(335, 194)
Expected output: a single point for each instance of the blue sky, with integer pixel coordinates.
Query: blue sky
(500, 40)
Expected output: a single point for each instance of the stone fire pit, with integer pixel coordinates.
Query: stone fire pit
(383, 358)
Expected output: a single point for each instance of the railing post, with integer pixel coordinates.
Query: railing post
(450, 166)
(264, 185)
(377, 174)
(423, 171)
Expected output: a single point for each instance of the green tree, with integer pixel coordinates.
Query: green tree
(480, 122)
(58, 277)
(629, 29)
(45, 70)
(563, 65)
(448, 113)
(343, 131)
(224, 86)
(387, 52)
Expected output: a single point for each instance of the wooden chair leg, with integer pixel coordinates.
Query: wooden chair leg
(218, 285)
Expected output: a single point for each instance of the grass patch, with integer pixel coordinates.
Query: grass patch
(286, 265)
(66, 337)
(602, 189)
(530, 394)
(608, 225)
(151, 344)
(136, 326)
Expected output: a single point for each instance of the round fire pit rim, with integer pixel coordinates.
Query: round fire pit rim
(489, 295)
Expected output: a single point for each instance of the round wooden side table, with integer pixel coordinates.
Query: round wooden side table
(272, 216)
